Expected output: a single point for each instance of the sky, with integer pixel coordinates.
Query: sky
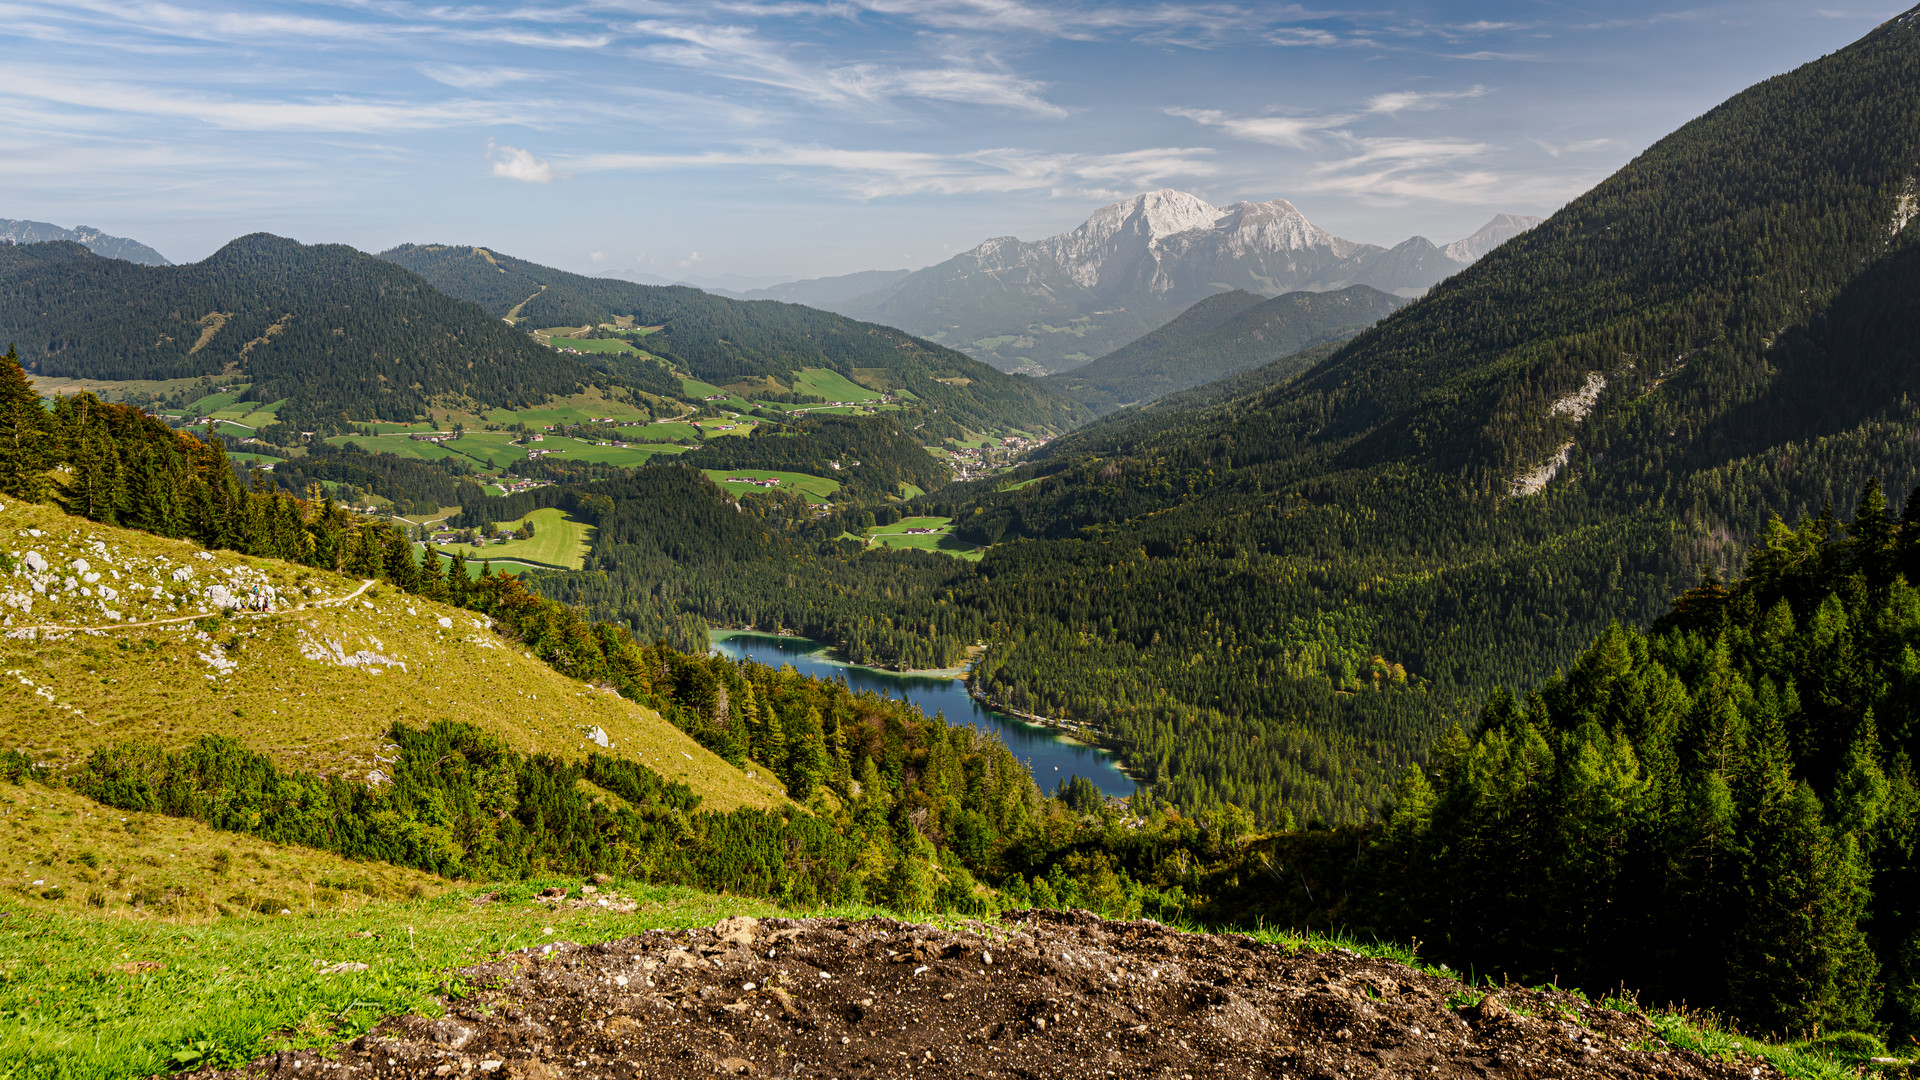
(745, 142)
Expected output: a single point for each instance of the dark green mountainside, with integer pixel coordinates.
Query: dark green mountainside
(1564, 434)
(343, 335)
(1221, 336)
(723, 341)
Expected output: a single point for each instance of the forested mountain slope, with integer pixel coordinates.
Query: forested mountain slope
(1564, 434)
(1220, 336)
(724, 341)
(343, 335)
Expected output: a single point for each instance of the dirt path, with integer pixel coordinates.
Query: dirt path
(1036, 994)
(330, 602)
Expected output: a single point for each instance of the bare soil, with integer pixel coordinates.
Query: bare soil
(1035, 994)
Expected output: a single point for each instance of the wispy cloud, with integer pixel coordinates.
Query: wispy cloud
(871, 174)
(322, 114)
(475, 78)
(742, 54)
(1399, 101)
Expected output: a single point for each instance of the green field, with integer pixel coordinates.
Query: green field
(715, 429)
(816, 488)
(834, 410)
(895, 536)
(1023, 483)
(558, 541)
(829, 385)
(399, 446)
(698, 391)
(629, 455)
(662, 433)
(595, 345)
(574, 412)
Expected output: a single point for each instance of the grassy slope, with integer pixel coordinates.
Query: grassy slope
(558, 540)
(67, 693)
(93, 996)
(65, 852)
(895, 536)
(830, 385)
(818, 487)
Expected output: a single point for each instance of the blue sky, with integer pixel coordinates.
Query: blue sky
(772, 139)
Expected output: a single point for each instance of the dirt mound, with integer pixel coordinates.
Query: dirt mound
(1037, 994)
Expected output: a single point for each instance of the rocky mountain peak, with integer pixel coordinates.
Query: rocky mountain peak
(1502, 228)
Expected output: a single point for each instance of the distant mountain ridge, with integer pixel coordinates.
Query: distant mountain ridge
(725, 341)
(113, 247)
(1051, 305)
(340, 335)
(1220, 336)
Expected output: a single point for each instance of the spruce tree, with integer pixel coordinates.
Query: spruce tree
(26, 446)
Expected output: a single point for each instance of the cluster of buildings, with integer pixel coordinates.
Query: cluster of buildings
(971, 462)
(769, 482)
(434, 437)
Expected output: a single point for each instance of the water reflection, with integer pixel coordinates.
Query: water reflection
(1051, 757)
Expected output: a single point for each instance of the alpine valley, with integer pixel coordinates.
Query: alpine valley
(1543, 606)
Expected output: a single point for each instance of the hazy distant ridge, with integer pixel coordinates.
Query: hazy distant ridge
(113, 247)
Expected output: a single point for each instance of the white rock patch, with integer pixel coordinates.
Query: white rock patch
(1532, 483)
(1579, 403)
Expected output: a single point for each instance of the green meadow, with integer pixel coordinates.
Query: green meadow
(942, 540)
(558, 541)
(830, 385)
(817, 488)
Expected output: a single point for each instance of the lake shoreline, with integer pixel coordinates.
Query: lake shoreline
(1016, 725)
(959, 673)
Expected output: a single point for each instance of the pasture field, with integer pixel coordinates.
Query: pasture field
(942, 540)
(558, 541)
(714, 429)
(816, 488)
(212, 404)
(629, 455)
(397, 445)
(246, 458)
(829, 385)
(595, 345)
(581, 409)
(1023, 483)
(498, 445)
(699, 391)
(663, 433)
(840, 410)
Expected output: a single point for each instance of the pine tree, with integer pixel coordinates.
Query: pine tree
(26, 446)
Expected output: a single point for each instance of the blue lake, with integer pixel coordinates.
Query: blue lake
(1051, 757)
